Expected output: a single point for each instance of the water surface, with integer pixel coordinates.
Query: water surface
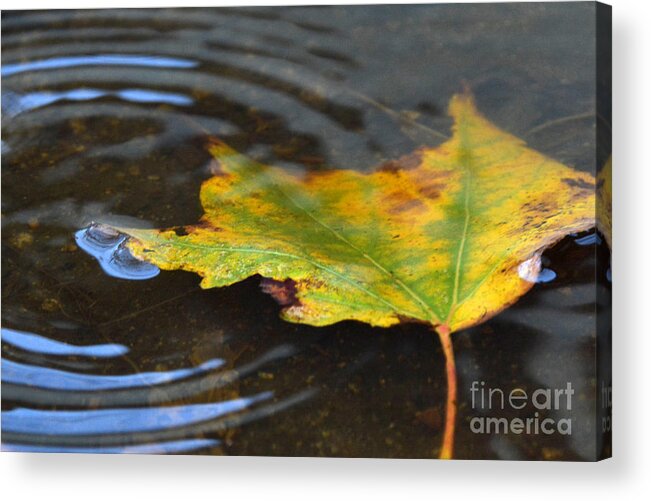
(105, 116)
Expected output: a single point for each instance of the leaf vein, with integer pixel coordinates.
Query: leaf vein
(303, 258)
(427, 309)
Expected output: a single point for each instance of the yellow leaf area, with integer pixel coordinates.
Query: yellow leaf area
(448, 236)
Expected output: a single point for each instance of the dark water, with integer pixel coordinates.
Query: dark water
(105, 114)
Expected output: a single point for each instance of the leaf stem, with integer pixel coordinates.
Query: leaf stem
(445, 336)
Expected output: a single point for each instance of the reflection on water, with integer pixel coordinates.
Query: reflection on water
(105, 117)
(43, 377)
(39, 344)
(176, 446)
(591, 239)
(118, 420)
(97, 60)
(546, 275)
(42, 427)
(17, 104)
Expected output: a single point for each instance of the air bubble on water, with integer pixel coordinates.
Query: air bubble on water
(98, 238)
(108, 246)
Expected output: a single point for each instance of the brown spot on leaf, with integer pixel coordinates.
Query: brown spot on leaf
(214, 142)
(432, 191)
(578, 183)
(203, 224)
(391, 166)
(413, 205)
(403, 163)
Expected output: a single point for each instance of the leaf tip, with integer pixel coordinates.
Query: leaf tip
(462, 102)
(218, 148)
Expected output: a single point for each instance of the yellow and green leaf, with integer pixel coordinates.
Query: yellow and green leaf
(447, 236)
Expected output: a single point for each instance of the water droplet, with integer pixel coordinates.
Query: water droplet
(108, 246)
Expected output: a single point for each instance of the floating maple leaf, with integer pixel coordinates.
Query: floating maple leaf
(447, 236)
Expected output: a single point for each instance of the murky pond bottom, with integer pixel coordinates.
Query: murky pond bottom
(105, 116)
